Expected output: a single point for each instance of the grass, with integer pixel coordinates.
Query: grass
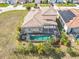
(3, 5)
(33, 5)
(65, 4)
(8, 24)
(44, 5)
(29, 4)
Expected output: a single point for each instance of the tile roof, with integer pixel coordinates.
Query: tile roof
(71, 17)
(50, 11)
(75, 11)
(74, 23)
(38, 20)
(33, 23)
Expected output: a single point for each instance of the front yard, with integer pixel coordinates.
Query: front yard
(33, 5)
(3, 5)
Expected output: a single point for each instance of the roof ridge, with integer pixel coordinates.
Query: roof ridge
(38, 20)
(47, 10)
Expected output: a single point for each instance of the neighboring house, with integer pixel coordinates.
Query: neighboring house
(70, 21)
(15, 1)
(37, 1)
(43, 22)
(24, 1)
(8, 1)
(75, 1)
(11, 1)
(2, 1)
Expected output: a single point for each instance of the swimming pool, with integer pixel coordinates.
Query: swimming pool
(39, 38)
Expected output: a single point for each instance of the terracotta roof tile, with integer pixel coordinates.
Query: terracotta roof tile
(74, 23)
(75, 11)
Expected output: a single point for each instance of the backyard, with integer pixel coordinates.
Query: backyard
(8, 23)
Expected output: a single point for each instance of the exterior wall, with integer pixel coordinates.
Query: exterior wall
(37, 1)
(22, 1)
(39, 30)
(55, 1)
(75, 30)
(66, 28)
(75, 1)
(32, 30)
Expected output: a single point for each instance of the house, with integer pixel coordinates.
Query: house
(24, 1)
(70, 21)
(11, 1)
(15, 1)
(40, 23)
(2, 1)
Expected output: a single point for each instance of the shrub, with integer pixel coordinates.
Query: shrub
(40, 48)
(44, 48)
(73, 52)
(47, 48)
(57, 50)
(51, 39)
(64, 39)
(29, 5)
(21, 49)
(31, 48)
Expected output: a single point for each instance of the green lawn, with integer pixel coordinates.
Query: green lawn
(3, 5)
(65, 4)
(33, 5)
(44, 5)
(8, 24)
(29, 4)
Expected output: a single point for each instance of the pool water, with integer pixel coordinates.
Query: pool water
(39, 38)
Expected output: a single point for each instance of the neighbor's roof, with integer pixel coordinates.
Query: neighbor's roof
(71, 17)
(67, 15)
(74, 23)
(75, 11)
